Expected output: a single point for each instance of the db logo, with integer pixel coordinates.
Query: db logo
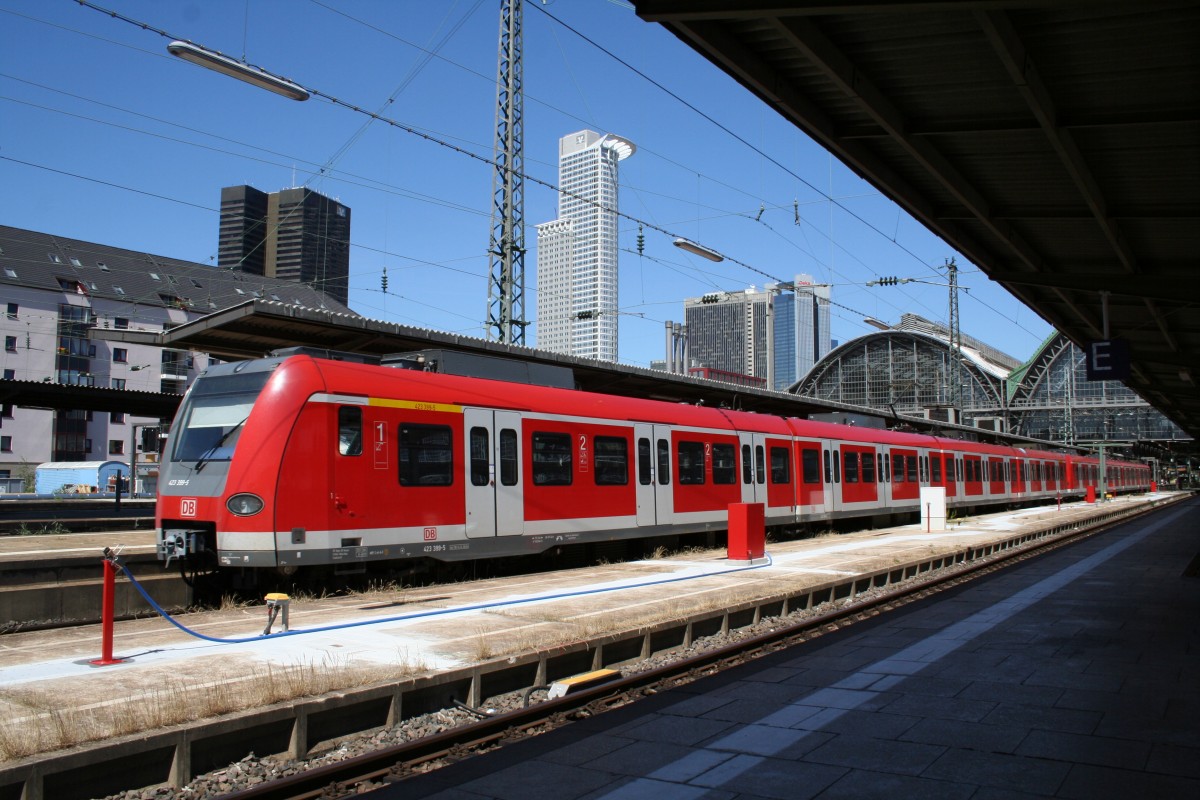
(187, 507)
(430, 534)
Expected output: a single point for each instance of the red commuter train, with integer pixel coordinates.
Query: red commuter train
(296, 460)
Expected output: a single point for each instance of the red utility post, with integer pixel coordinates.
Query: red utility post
(107, 612)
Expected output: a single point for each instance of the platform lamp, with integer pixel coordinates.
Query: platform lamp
(210, 59)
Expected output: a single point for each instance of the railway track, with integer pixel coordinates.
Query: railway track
(357, 774)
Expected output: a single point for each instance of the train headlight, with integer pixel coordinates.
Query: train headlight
(244, 505)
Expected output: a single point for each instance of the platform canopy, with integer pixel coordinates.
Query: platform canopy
(1054, 143)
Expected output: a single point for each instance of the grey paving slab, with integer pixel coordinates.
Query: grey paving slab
(1063, 720)
(1170, 759)
(676, 730)
(967, 735)
(859, 784)
(1013, 693)
(1123, 753)
(1086, 782)
(520, 782)
(999, 770)
(877, 755)
(775, 778)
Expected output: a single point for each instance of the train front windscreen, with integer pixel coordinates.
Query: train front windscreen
(213, 416)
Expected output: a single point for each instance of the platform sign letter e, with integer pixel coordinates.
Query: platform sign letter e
(1108, 361)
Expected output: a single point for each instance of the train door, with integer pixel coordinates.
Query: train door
(753, 462)
(493, 474)
(645, 480)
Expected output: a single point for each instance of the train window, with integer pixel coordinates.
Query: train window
(897, 469)
(426, 455)
(747, 476)
(868, 468)
(935, 468)
(828, 477)
(691, 463)
(480, 440)
(910, 464)
(552, 459)
(350, 431)
(645, 467)
(724, 463)
(837, 466)
(508, 457)
(885, 468)
(810, 461)
(664, 462)
(780, 469)
(760, 461)
(923, 461)
(612, 460)
(850, 467)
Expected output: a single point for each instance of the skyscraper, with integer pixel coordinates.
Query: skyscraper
(577, 253)
(729, 331)
(293, 234)
(812, 325)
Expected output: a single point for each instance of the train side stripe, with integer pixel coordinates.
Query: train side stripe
(382, 402)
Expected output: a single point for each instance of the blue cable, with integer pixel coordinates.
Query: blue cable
(421, 614)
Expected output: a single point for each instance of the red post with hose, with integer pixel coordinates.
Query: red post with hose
(107, 612)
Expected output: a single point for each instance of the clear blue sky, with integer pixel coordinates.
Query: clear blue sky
(106, 137)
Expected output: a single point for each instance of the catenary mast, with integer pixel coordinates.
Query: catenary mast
(506, 247)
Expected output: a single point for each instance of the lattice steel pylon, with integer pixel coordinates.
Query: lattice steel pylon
(956, 400)
(506, 247)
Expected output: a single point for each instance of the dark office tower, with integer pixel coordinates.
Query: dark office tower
(242, 242)
(301, 236)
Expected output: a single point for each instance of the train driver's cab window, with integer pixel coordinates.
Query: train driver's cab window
(426, 455)
(691, 463)
(350, 431)
(552, 459)
(612, 460)
(724, 466)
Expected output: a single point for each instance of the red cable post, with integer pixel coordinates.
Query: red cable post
(106, 617)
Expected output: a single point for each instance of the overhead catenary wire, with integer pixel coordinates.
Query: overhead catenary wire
(440, 141)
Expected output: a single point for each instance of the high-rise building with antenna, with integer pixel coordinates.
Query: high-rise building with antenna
(577, 253)
(293, 234)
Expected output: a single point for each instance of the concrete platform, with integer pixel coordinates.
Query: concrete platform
(52, 694)
(1074, 676)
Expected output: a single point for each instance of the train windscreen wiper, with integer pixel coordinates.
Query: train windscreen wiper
(204, 457)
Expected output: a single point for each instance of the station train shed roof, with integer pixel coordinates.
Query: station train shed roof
(257, 327)
(1054, 143)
